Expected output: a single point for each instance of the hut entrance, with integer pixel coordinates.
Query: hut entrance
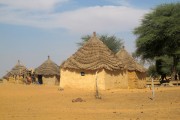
(40, 79)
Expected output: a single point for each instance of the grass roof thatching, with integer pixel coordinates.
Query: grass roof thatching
(93, 55)
(129, 61)
(18, 69)
(48, 68)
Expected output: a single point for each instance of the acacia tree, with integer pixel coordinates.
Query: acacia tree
(163, 67)
(152, 71)
(112, 42)
(159, 34)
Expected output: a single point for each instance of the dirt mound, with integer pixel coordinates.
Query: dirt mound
(78, 100)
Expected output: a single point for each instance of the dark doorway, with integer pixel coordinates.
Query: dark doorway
(40, 81)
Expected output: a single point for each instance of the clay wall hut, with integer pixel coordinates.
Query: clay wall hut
(17, 73)
(136, 72)
(93, 59)
(48, 73)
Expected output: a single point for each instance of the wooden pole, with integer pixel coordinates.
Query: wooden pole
(177, 82)
(152, 84)
(177, 79)
(97, 91)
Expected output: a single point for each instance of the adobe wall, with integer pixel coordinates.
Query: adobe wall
(49, 80)
(116, 79)
(136, 80)
(75, 79)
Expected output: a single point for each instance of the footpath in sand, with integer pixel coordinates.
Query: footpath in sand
(34, 102)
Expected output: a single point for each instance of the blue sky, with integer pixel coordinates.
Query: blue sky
(30, 30)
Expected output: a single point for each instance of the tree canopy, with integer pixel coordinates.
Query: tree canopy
(152, 71)
(163, 64)
(159, 32)
(112, 42)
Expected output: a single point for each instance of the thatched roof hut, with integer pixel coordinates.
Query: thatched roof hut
(18, 69)
(48, 73)
(94, 56)
(136, 72)
(47, 68)
(129, 61)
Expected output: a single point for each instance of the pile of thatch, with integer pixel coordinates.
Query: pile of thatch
(18, 69)
(48, 68)
(129, 62)
(94, 55)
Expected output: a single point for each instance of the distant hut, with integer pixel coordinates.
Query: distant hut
(136, 72)
(48, 73)
(17, 73)
(93, 58)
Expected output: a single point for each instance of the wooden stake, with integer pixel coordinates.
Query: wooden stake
(152, 84)
(97, 91)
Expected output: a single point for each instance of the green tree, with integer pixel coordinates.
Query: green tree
(163, 67)
(112, 42)
(152, 71)
(159, 34)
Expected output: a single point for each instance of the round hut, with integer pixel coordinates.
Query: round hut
(136, 72)
(17, 73)
(48, 73)
(93, 64)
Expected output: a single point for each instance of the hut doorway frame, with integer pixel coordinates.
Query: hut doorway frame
(40, 81)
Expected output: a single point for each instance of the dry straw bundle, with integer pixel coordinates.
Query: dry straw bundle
(94, 55)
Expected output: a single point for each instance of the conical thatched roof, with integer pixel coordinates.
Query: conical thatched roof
(48, 68)
(94, 55)
(129, 61)
(18, 69)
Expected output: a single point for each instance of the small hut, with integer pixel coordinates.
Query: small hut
(48, 73)
(136, 72)
(93, 65)
(17, 73)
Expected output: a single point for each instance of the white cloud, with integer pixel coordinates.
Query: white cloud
(111, 18)
(84, 20)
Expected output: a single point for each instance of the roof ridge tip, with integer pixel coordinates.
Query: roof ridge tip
(94, 34)
(48, 57)
(18, 62)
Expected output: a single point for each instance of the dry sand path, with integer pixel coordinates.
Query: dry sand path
(34, 102)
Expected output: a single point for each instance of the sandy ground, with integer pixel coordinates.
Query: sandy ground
(34, 102)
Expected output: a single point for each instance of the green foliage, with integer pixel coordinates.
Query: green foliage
(112, 42)
(143, 61)
(84, 40)
(158, 35)
(178, 67)
(152, 71)
(164, 65)
(159, 32)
